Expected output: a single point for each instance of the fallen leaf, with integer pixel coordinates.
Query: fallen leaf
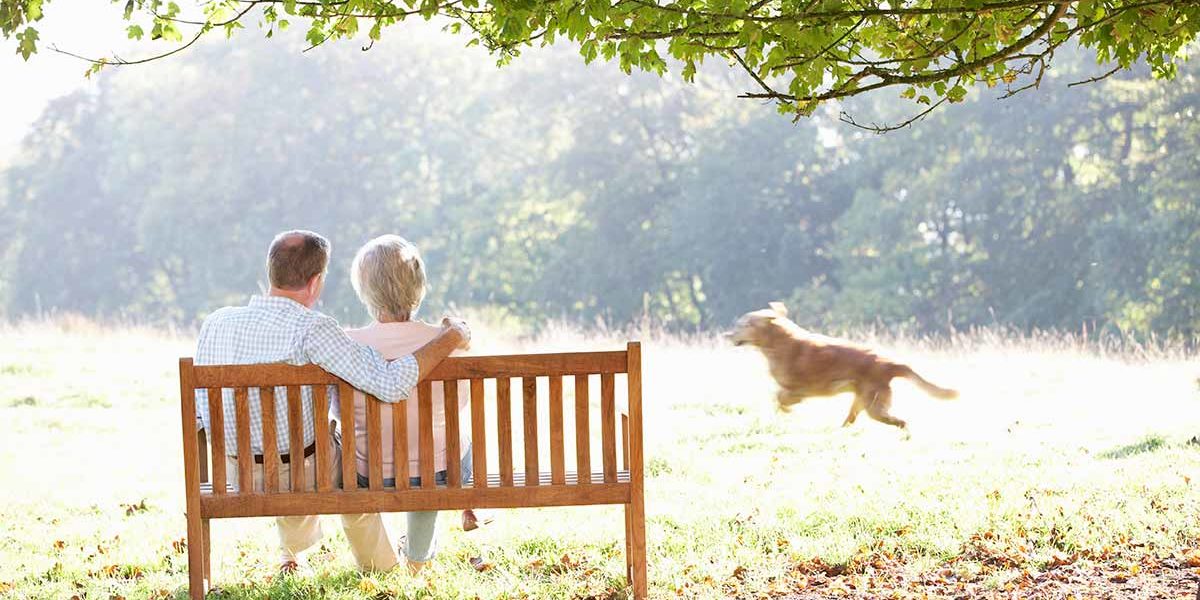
(480, 564)
(368, 586)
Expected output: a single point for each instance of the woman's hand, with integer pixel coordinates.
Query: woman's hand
(461, 327)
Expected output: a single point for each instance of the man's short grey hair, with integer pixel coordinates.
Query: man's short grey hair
(389, 277)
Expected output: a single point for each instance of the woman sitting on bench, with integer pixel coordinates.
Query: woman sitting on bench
(389, 277)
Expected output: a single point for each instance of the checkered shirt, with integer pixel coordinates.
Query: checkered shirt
(273, 329)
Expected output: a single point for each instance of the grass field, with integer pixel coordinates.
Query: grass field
(1058, 458)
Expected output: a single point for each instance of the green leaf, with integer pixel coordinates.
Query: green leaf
(27, 43)
(33, 11)
(135, 32)
(689, 71)
(171, 33)
(315, 36)
(590, 50)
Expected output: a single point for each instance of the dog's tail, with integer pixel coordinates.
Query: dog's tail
(937, 392)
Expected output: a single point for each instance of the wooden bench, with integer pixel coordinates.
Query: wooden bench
(613, 483)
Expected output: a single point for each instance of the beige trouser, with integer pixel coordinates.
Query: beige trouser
(368, 539)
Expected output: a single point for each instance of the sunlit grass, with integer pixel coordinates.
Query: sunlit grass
(1058, 447)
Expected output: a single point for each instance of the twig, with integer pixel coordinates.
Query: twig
(1096, 78)
(876, 128)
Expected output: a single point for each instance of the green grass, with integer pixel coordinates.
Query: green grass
(1052, 450)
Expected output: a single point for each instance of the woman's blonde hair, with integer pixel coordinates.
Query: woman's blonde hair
(389, 277)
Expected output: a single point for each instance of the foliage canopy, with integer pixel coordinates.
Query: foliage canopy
(797, 53)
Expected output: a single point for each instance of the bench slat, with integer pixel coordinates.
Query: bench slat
(216, 418)
(583, 438)
(400, 443)
(529, 420)
(296, 437)
(624, 442)
(504, 429)
(608, 422)
(374, 445)
(478, 434)
(270, 438)
(241, 403)
(324, 460)
(453, 450)
(425, 434)
(557, 469)
(349, 453)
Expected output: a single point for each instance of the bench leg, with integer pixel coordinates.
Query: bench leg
(629, 544)
(207, 550)
(635, 546)
(197, 551)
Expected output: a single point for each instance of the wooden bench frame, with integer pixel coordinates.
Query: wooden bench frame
(505, 489)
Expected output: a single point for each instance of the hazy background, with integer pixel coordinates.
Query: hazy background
(550, 190)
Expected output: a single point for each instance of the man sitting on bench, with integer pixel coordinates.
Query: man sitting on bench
(282, 327)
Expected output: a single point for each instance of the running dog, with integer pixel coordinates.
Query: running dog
(806, 365)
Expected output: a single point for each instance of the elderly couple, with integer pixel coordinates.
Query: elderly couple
(385, 359)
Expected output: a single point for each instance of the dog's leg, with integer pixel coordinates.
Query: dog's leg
(786, 398)
(880, 406)
(855, 408)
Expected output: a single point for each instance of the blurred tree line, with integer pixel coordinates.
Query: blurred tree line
(550, 190)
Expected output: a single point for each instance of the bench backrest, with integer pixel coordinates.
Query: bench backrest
(490, 408)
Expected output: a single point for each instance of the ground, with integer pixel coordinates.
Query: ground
(1064, 471)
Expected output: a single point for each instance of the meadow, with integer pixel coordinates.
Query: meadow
(1064, 470)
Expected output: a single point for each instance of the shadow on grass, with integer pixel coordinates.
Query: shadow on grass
(1151, 443)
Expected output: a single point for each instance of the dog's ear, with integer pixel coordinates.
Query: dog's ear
(779, 308)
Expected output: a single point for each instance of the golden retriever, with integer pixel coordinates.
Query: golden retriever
(806, 365)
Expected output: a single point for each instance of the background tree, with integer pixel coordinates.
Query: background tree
(553, 191)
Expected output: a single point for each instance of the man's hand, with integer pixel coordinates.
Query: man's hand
(460, 326)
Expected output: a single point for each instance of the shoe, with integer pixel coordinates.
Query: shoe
(288, 567)
(472, 519)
